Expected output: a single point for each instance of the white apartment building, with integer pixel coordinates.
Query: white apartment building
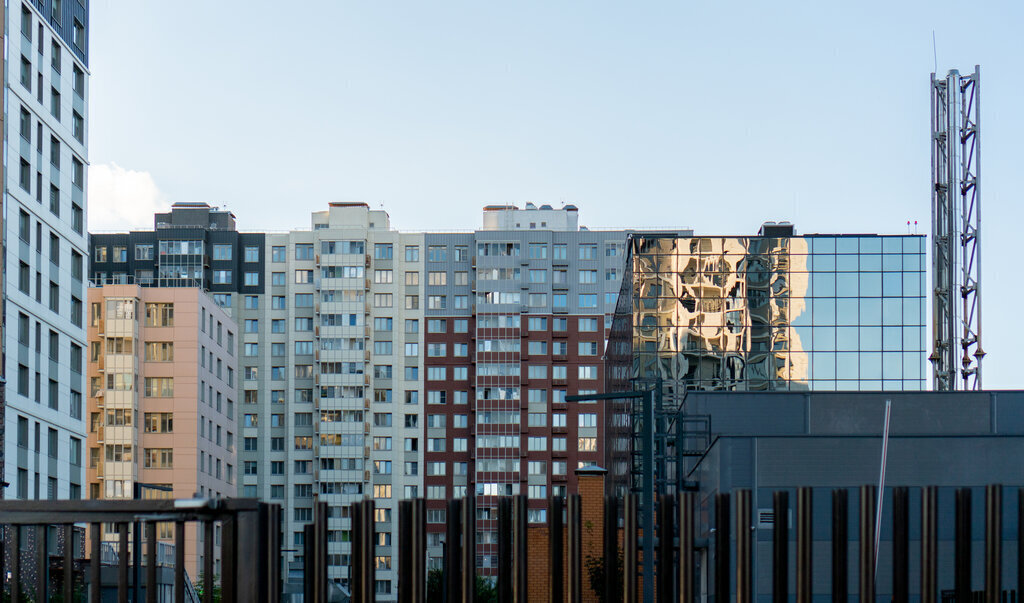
(330, 362)
(44, 206)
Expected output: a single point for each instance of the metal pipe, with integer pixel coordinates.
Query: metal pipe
(804, 544)
(840, 544)
(229, 551)
(744, 546)
(993, 542)
(122, 563)
(962, 543)
(780, 547)
(722, 590)
(687, 577)
(666, 547)
(419, 561)
(866, 588)
(520, 552)
(612, 588)
(16, 565)
(95, 580)
(929, 544)
(575, 537)
(505, 589)
(629, 562)
(42, 563)
(556, 590)
(900, 544)
(405, 539)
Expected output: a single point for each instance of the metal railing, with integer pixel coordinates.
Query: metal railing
(718, 532)
(250, 548)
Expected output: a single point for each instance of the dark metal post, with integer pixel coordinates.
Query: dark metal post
(42, 563)
(520, 554)
(744, 546)
(229, 558)
(962, 557)
(419, 542)
(556, 590)
(179, 562)
(722, 565)
(1020, 543)
(866, 588)
(208, 577)
(16, 564)
(69, 562)
(612, 588)
(647, 505)
(804, 544)
(629, 561)
(95, 582)
(900, 544)
(122, 565)
(929, 544)
(468, 560)
(666, 547)
(993, 542)
(687, 579)
(452, 554)
(780, 547)
(506, 592)
(840, 545)
(405, 552)
(150, 562)
(309, 556)
(575, 537)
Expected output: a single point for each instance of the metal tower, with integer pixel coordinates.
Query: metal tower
(956, 231)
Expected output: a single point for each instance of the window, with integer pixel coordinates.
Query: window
(382, 251)
(588, 300)
(588, 348)
(278, 254)
(383, 277)
(437, 302)
(157, 351)
(587, 325)
(437, 278)
(303, 251)
(588, 372)
(78, 82)
(252, 302)
(461, 278)
(437, 253)
(222, 252)
(252, 254)
(278, 302)
(588, 251)
(559, 251)
(159, 387)
(160, 315)
(588, 277)
(55, 103)
(221, 277)
(412, 253)
(538, 251)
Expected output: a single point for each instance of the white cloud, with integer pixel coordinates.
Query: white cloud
(121, 199)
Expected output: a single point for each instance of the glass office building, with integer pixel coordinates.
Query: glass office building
(772, 312)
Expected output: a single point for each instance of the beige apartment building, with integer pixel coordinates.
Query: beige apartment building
(161, 403)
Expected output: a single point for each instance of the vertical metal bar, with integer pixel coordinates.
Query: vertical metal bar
(780, 547)
(993, 542)
(556, 584)
(405, 554)
(122, 565)
(150, 562)
(229, 557)
(309, 561)
(929, 544)
(520, 553)
(468, 546)
(629, 562)
(179, 562)
(962, 543)
(840, 545)
(16, 563)
(1020, 543)
(687, 577)
(273, 554)
(647, 505)
(4, 539)
(866, 588)
(69, 562)
(356, 570)
(666, 547)
(452, 553)
(370, 567)
(900, 544)
(612, 588)
(744, 544)
(722, 565)
(804, 544)
(505, 536)
(574, 535)
(42, 563)
(95, 580)
(208, 578)
(419, 555)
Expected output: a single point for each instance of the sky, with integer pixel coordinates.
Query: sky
(715, 116)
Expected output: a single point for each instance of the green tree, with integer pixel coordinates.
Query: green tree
(486, 590)
(596, 569)
(200, 586)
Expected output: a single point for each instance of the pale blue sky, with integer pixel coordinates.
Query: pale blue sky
(715, 117)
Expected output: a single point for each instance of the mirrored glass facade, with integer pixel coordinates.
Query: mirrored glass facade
(794, 313)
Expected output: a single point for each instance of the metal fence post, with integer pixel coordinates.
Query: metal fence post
(520, 553)
(804, 544)
(993, 542)
(722, 565)
(962, 557)
(900, 544)
(666, 547)
(929, 544)
(840, 544)
(612, 587)
(506, 591)
(575, 537)
(744, 546)
(629, 562)
(452, 553)
(687, 579)
(780, 547)
(556, 590)
(866, 588)
(468, 546)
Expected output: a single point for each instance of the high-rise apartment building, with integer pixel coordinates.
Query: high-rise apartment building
(162, 372)
(46, 87)
(516, 314)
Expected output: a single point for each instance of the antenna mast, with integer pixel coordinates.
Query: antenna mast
(956, 231)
